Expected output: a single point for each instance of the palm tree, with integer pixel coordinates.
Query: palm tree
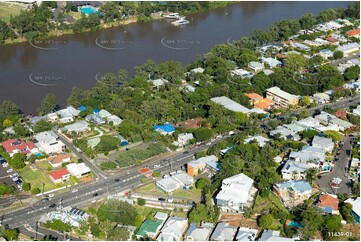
(311, 175)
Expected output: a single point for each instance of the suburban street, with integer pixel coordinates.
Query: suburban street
(103, 187)
(339, 171)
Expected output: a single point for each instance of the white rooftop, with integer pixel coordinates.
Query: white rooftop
(277, 91)
(230, 104)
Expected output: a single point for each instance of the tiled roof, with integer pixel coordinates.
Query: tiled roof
(254, 96)
(18, 144)
(327, 200)
(58, 158)
(353, 32)
(265, 103)
(58, 174)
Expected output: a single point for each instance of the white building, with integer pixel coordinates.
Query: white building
(246, 234)
(48, 142)
(115, 119)
(349, 48)
(78, 169)
(230, 104)
(242, 73)
(256, 66)
(324, 143)
(235, 193)
(271, 62)
(273, 235)
(261, 141)
(173, 229)
(78, 127)
(184, 138)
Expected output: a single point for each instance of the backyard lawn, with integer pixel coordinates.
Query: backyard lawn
(6, 10)
(36, 178)
(44, 165)
(265, 203)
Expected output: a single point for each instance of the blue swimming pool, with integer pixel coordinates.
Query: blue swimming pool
(88, 10)
(38, 154)
(295, 224)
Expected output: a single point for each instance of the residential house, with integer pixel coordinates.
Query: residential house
(246, 234)
(264, 104)
(294, 127)
(114, 119)
(58, 160)
(268, 72)
(78, 127)
(158, 82)
(9, 130)
(353, 33)
(49, 143)
(285, 133)
(271, 62)
(281, 98)
(320, 98)
(328, 203)
(332, 41)
(293, 192)
(198, 70)
(95, 118)
(68, 215)
(349, 48)
(341, 124)
(58, 176)
(173, 229)
(123, 141)
(171, 183)
(104, 113)
(242, 73)
(324, 143)
(198, 233)
(326, 53)
(355, 163)
(164, 129)
(356, 208)
(13, 146)
(68, 112)
(230, 104)
(223, 232)
(254, 97)
(151, 227)
(184, 138)
(199, 165)
(260, 140)
(301, 46)
(235, 193)
(190, 123)
(78, 169)
(52, 117)
(293, 169)
(256, 66)
(273, 235)
(324, 117)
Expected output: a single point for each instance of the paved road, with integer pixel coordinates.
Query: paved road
(41, 233)
(103, 187)
(339, 171)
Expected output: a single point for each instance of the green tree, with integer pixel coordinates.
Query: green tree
(117, 211)
(10, 234)
(35, 191)
(334, 135)
(345, 210)
(332, 224)
(202, 183)
(119, 234)
(141, 201)
(202, 134)
(106, 226)
(18, 161)
(48, 104)
(8, 108)
(309, 133)
(305, 101)
(311, 175)
(352, 73)
(6, 189)
(107, 143)
(265, 221)
(337, 55)
(307, 20)
(26, 186)
(58, 225)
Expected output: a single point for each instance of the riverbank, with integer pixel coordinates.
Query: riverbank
(115, 24)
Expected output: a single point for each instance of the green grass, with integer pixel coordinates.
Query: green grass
(44, 165)
(6, 10)
(36, 178)
(151, 188)
(265, 203)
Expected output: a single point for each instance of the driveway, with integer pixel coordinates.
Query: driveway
(339, 171)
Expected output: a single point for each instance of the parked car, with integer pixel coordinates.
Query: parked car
(51, 195)
(9, 171)
(74, 190)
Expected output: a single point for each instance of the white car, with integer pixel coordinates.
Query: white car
(5, 165)
(74, 190)
(51, 195)
(9, 171)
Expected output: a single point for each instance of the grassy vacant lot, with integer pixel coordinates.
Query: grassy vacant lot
(7, 9)
(265, 203)
(36, 178)
(44, 165)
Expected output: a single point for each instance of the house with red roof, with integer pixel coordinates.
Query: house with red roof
(353, 33)
(58, 176)
(58, 160)
(13, 146)
(328, 203)
(190, 123)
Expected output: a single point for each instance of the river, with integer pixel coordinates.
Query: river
(30, 70)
